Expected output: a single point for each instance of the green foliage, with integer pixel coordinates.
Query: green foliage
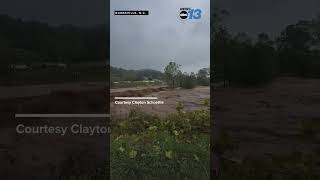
(6, 55)
(171, 72)
(172, 75)
(79, 164)
(253, 61)
(120, 74)
(310, 129)
(244, 62)
(298, 48)
(146, 146)
(188, 81)
(293, 166)
(27, 43)
(203, 77)
(44, 43)
(126, 84)
(224, 143)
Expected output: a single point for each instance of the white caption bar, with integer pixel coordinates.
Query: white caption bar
(136, 98)
(62, 115)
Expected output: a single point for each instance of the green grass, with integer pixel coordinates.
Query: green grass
(310, 129)
(291, 166)
(146, 146)
(79, 164)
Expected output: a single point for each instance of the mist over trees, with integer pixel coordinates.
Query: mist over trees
(237, 58)
(245, 60)
(120, 74)
(172, 76)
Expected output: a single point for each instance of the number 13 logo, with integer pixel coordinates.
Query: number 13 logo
(194, 13)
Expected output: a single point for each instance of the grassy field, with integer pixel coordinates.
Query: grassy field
(145, 146)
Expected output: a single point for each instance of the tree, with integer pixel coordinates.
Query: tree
(203, 77)
(171, 72)
(180, 78)
(43, 42)
(188, 81)
(294, 47)
(6, 55)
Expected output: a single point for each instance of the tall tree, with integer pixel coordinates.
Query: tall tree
(203, 77)
(171, 72)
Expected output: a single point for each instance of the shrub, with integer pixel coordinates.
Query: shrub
(146, 146)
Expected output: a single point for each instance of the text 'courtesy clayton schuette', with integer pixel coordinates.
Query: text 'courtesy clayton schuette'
(138, 102)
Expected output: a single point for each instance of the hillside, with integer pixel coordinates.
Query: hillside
(26, 41)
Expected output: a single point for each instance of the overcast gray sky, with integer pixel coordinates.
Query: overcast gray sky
(140, 42)
(251, 16)
(246, 15)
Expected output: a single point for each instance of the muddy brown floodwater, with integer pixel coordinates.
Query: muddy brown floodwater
(266, 119)
(190, 98)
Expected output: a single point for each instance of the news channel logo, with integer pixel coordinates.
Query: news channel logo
(190, 13)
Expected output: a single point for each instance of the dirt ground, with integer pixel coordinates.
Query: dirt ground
(190, 98)
(265, 119)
